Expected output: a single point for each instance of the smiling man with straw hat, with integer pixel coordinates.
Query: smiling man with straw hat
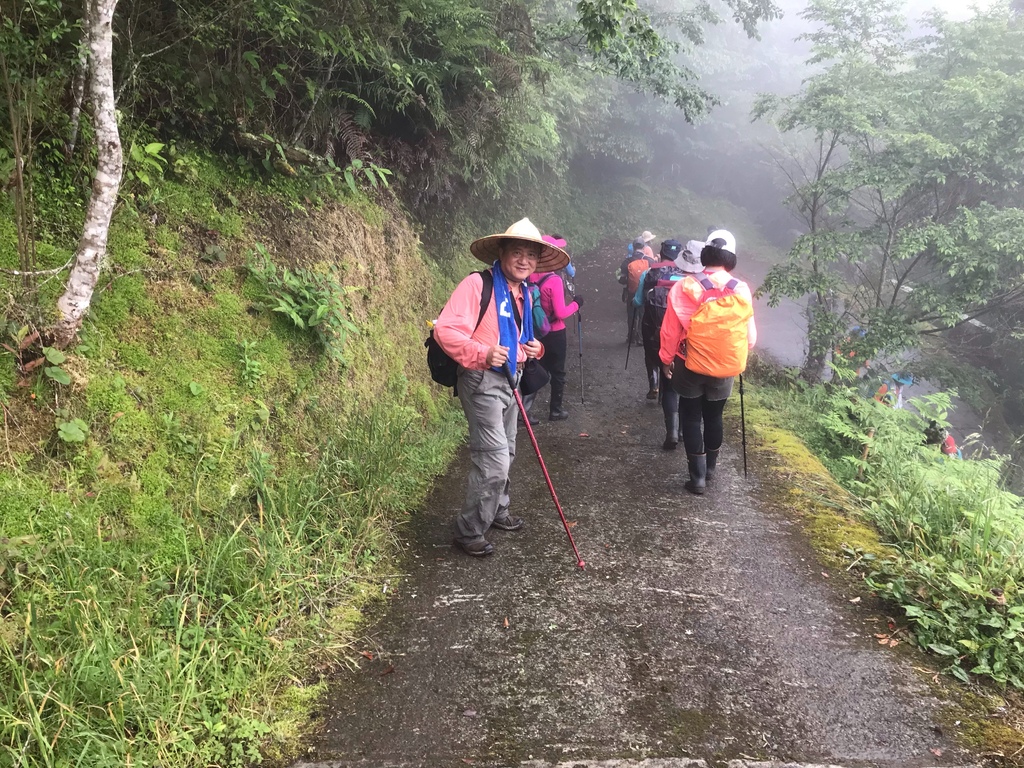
(482, 344)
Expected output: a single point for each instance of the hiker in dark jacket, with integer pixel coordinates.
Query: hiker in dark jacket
(652, 294)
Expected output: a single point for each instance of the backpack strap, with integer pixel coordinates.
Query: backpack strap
(731, 285)
(541, 281)
(705, 281)
(485, 294)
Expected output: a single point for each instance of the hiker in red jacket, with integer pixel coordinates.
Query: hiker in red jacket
(691, 319)
(640, 259)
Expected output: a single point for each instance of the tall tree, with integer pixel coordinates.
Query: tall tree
(922, 229)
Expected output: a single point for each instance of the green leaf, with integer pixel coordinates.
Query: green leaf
(960, 582)
(960, 673)
(943, 650)
(72, 431)
(196, 388)
(54, 356)
(262, 412)
(58, 375)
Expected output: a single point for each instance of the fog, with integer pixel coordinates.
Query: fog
(726, 154)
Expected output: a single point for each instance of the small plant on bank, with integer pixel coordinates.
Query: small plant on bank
(252, 368)
(315, 302)
(53, 371)
(373, 173)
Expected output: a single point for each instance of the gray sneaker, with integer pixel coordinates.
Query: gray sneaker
(509, 523)
(478, 549)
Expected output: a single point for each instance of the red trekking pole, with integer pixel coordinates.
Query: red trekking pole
(544, 469)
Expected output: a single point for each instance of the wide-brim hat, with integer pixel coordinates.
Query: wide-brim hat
(689, 259)
(647, 236)
(551, 257)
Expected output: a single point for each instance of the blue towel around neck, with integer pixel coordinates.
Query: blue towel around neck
(509, 335)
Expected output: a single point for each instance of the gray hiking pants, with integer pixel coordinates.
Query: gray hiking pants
(491, 412)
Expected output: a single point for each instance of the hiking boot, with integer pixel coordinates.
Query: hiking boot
(712, 462)
(671, 432)
(476, 549)
(560, 415)
(509, 523)
(698, 466)
(652, 394)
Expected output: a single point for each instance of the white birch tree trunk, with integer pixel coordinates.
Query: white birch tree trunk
(85, 271)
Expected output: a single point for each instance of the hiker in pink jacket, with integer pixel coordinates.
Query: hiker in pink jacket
(486, 347)
(552, 299)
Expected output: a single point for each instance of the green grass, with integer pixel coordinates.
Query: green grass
(165, 583)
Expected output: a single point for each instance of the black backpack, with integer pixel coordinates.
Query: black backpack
(443, 369)
(658, 283)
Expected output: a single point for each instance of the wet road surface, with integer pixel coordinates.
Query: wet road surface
(701, 633)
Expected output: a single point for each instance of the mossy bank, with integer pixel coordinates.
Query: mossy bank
(193, 519)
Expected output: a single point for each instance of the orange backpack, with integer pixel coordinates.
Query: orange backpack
(634, 269)
(716, 344)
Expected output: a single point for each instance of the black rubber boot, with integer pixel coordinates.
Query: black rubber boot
(557, 412)
(671, 432)
(698, 465)
(712, 463)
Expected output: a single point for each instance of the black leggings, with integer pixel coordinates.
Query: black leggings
(691, 411)
(554, 361)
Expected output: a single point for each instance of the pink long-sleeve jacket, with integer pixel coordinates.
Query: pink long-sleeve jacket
(683, 300)
(552, 298)
(454, 327)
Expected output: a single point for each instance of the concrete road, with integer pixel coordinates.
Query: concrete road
(701, 633)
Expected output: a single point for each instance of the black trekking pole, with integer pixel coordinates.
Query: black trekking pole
(579, 337)
(743, 426)
(547, 478)
(629, 339)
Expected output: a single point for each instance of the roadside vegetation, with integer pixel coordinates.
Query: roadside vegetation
(196, 500)
(948, 531)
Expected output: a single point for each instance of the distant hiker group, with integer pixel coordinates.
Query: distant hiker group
(695, 323)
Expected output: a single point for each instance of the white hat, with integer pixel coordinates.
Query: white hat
(725, 240)
(647, 236)
(551, 257)
(689, 259)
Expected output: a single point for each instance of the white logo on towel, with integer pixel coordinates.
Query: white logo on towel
(504, 311)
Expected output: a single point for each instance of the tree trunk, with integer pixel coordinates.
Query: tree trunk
(821, 323)
(85, 272)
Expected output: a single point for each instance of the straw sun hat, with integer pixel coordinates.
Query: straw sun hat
(551, 257)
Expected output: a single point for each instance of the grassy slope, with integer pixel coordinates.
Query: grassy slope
(236, 485)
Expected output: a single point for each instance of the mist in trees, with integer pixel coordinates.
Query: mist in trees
(905, 167)
(885, 145)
